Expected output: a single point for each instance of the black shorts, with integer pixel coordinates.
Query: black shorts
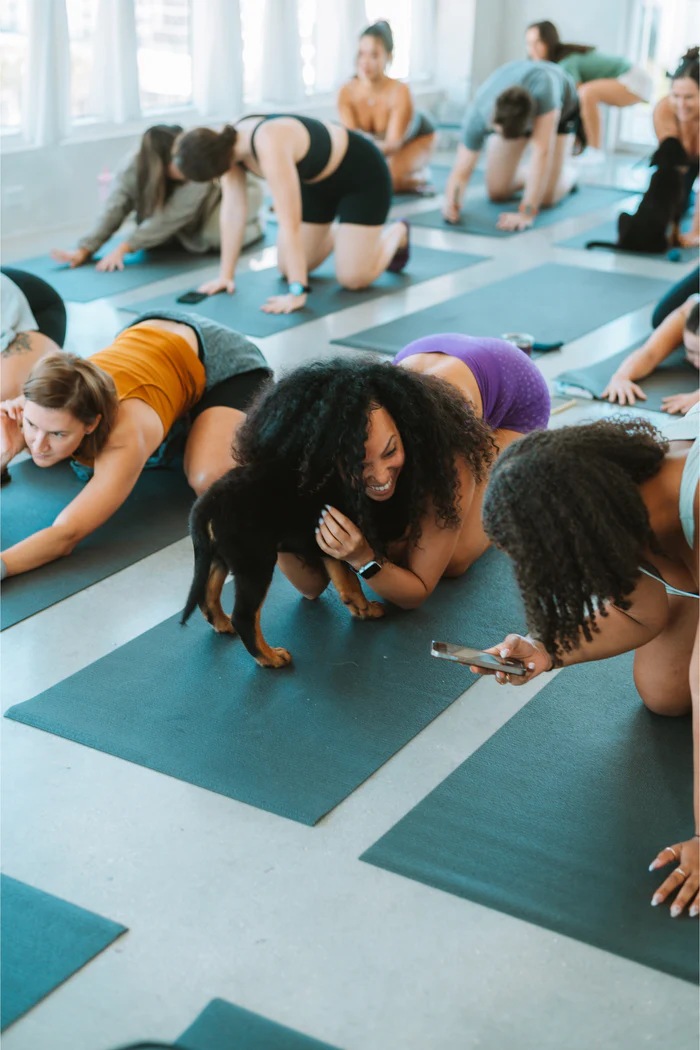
(237, 391)
(358, 192)
(570, 122)
(44, 301)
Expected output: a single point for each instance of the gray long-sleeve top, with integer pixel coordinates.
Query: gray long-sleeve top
(182, 216)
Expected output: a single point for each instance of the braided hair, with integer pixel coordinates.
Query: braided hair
(565, 506)
(313, 425)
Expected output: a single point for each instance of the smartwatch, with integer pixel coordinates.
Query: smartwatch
(368, 570)
(297, 288)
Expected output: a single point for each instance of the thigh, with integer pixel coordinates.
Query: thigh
(412, 157)
(317, 239)
(353, 246)
(662, 666)
(609, 91)
(44, 301)
(502, 159)
(19, 358)
(563, 148)
(209, 449)
(675, 297)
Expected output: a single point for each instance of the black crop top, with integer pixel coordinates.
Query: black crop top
(319, 151)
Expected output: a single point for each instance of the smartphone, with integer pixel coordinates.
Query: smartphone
(462, 654)
(191, 297)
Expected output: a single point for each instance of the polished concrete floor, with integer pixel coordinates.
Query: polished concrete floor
(224, 900)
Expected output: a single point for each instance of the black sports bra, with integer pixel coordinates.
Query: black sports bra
(319, 151)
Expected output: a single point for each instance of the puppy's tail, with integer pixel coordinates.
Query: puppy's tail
(604, 244)
(203, 554)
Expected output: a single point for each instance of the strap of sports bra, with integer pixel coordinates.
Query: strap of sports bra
(669, 588)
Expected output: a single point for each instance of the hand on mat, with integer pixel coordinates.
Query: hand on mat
(680, 402)
(339, 538)
(624, 391)
(113, 260)
(74, 258)
(450, 212)
(219, 284)
(514, 220)
(284, 304)
(532, 653)
(690, 240)
(685, 877)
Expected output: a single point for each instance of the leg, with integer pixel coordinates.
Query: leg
(661, 667)
(362, 253)
(590, 95)
(560, 180)
(45, 303)
(350, 590)
(208, 453)
(19, 358)
(318, 245)
(308, 581)
(502, 159)
(675, 297)
(407, 163)
(211, 609)
(251, 587)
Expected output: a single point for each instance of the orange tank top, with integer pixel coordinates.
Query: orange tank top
(155, 366)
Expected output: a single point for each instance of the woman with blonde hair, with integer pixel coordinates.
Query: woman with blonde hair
(167, 207)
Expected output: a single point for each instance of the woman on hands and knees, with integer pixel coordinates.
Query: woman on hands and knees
(317, 173)
(382, 109)
(679, 328)
(602, 524)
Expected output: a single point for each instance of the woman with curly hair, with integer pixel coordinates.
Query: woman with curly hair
(413, 449)
(601, 522)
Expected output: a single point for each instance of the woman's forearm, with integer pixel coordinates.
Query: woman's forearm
(42, 547)
(294, 254)
(398, 585)
(232, 220)
(536, 179)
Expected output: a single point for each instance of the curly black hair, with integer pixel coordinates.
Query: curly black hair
(313, 424)
(565, 505)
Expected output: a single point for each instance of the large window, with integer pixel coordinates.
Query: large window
(13, 58)
(164, 32)
(82, 17)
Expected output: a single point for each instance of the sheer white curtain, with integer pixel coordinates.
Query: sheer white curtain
(280, 77)
(217, 59)
(46, 116)
(116, 71)
(338, 27)
(422, 54)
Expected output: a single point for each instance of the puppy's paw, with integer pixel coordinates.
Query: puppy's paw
(219, 621)
(369, 611)
(278, 657)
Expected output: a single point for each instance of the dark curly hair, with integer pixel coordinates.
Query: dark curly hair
(313, 424)
(565, 506)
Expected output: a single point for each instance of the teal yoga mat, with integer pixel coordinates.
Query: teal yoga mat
(557, 817)
(480, 215)
(223, 1026)
(607, 231)
(585, 299)
(45, 940)
(675, 375)
(154, 516)
(242, 310)
(84, 283)
(296, 741)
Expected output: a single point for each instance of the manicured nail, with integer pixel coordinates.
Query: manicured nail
(504, 653)
(655, 900)
(327, 506)
(531, 667)
(652, 866)
(675, 911)
(694, 910)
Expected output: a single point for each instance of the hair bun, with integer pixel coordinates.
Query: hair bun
(381, 31)
(691, 55)
(228, 135)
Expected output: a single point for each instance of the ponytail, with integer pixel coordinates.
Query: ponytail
(556, 50)
(75, 385)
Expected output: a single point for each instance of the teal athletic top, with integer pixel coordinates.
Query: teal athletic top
(594, 65)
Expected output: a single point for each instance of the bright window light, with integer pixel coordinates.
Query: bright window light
(13, 57)
(164, 33)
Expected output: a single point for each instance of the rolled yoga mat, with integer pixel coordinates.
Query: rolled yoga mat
(45, 940)
(480, 215)
(223, 1026)
(85, 283)
(607, 231)
(557, 817)
(675, 375)
(295, 741)
(585, 299)
(154, 516)
(242, 309)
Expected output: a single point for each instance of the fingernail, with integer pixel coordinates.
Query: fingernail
(675, 911)
(655, 900)
(504, 653)
(327, 506)
(694, 910)
(652, 866)
(531, 667)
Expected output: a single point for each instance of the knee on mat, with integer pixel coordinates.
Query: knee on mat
(351, 280)
(500, 196)
(660, 703)
(200, 479)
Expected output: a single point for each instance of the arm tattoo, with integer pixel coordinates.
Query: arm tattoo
(20, 345)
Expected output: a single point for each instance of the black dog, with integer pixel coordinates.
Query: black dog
(239, 525)
(661, 206)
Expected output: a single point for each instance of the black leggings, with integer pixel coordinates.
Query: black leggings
(44, 301)
(676, 296)
(358, 192)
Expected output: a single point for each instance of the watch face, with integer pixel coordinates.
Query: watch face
(369, 570)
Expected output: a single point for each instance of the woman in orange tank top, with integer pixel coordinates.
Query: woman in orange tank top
(118, 412)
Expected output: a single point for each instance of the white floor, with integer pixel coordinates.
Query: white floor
(222, 899)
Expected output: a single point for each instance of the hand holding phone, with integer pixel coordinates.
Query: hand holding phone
(462, 654)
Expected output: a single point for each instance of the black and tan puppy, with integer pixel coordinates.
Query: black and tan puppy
(655, 226)
(240, 525)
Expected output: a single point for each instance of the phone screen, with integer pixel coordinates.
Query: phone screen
(462, 654)
(191, 297)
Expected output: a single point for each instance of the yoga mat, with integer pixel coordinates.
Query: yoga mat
(480, 215)
(557, 817)
(675, 375)
(154, 515)
(295, 741)
(584, 299)
(242, 309)
(45, 940)
(85, 283)
(223, 1026)
(607, 231)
